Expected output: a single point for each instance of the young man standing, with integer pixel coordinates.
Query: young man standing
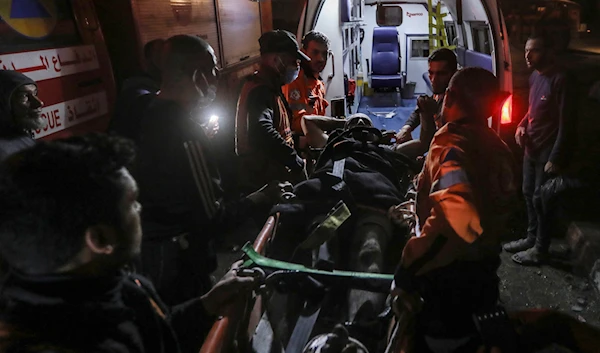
(544, 134)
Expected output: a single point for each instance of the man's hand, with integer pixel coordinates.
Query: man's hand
(520, 136)
(404, 134)
(227, 290)
(274, 192)
(551, 168)
(427, 105)
(387, 136)
(404, 302)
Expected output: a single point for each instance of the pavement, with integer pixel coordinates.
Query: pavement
(550, 286)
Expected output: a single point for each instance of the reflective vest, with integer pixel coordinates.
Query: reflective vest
(306, 95)
(465, 194)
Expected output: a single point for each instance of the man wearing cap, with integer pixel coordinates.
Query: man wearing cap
(263, 135)
(20, 112)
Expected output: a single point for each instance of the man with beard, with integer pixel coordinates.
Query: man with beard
(544, 133)
(442, 65)
(306, 95)
(20, 112)
(263, 136)
(181, 192)
(69, 225)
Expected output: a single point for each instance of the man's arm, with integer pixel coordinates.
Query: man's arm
(314, 127)
(452, 225)
(192, 320)
(413, 120)
(263, 132)
(566, 96)
(525, 121)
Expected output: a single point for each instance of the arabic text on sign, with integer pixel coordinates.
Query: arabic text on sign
(70, 113)
(47, 64)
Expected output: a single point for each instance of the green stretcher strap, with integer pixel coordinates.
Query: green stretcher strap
(255, 259)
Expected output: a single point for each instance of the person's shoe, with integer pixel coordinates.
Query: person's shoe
(530, 257)
(519, 245)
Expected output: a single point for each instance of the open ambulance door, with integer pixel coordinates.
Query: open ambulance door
(477, 27)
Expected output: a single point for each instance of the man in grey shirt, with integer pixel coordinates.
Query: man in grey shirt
(442, 65)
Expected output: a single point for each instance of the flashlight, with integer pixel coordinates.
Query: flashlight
(213, 119)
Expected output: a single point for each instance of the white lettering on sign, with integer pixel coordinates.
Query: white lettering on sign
(70, 113)
(411, 14)
(46, 64)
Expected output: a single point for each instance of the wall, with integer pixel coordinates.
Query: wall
(328, 22)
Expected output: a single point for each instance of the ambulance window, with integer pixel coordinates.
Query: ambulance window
(419, 48)
(163, 19)
(481, 38)
(389, 15)
(451, 32)
(25, 27)
(240, 29)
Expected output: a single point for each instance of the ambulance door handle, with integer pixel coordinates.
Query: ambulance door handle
(332, 74)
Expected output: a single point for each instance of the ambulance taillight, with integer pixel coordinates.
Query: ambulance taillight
(506, 117)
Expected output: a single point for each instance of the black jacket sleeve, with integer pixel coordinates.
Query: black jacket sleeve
(205, 185)
(414, 120)
(191, 323)
(566, 95)
(263, 133)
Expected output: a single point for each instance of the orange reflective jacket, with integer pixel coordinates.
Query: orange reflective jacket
(306, 95)
(465, 194)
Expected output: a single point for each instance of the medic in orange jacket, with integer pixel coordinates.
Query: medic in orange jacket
(465, 194)
(306, 96)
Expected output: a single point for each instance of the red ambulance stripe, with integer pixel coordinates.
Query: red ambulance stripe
(65, 88)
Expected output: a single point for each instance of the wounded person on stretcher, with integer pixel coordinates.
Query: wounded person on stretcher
(315, 129)
(356, 168)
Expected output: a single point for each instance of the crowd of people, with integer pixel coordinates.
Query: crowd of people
(79, 276)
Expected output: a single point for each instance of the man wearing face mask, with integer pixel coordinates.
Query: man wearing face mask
(263, 133)
(178, 179)
(20, 112)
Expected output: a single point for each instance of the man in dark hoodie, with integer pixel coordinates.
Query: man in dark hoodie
(69, 224)
(178, 176)
(20, 112)
(137, 93)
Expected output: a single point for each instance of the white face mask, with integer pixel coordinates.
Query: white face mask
(205, 98)
(290, 74)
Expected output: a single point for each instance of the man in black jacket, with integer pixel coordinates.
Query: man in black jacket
(184, 209)
(263, 135)
(69, 224)
(137, 92)
(20, 112)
